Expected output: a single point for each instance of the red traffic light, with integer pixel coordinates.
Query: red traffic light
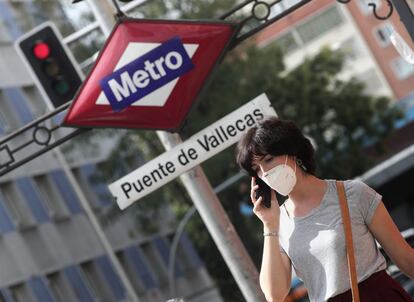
(41, 50)
(52, 67)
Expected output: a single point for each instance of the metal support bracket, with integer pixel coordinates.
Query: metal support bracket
(42, 135)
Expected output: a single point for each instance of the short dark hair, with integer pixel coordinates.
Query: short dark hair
(275, 136)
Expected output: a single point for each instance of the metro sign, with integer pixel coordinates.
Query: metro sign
(149, 73)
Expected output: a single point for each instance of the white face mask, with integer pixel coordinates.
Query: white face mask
(281, 178)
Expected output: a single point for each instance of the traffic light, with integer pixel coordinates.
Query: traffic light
(51, 64)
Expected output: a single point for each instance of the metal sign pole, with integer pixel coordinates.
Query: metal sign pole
(219, 226)
(204, 198)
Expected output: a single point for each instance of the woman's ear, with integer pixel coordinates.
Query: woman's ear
(300, 164)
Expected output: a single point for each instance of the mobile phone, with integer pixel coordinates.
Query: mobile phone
(264, 191)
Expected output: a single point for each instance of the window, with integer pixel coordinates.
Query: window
(33, 200)
(8, 119)
(289, 3)
(320, 24)
(287, 42)
(4, 125)
(402, 68)
(156, 263)
(6, 222)
(382, 34)
(4, 35)
(163, 248)
(60, 288)
(51, 199)
(96, 283)
(65, 16)
(35, 100)
(63, 186)
(135, 260)
(19, 103)
(16, 206)
(372, 81)
(350, 49)
(20, 293)
(110, 276)
(365, 9)
(186, 256)
(40, 290)
(101, 193)
(278, 8)
(5, 295)
(189, 253)
(78, 282)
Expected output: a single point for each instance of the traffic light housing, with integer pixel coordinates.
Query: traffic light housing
(51, 64)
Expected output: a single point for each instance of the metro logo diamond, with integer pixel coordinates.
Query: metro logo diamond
(149, 73)
(146, 74)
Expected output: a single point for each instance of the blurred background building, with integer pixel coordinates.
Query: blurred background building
(49, 249)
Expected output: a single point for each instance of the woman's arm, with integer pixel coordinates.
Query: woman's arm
(276, 271)
(387, 234)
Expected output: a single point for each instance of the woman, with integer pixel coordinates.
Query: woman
(306, 232)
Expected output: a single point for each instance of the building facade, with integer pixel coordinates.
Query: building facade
(353, 29)
(49, 248)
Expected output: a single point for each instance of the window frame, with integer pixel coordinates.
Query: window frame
(395, 68)
(305, 24)
(15, 203)
(52, 201)
(59, 286)
(382, 26)
(22, 289)
(95, 281)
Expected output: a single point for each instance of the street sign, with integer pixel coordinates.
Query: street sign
(149, 73)
(190, 153)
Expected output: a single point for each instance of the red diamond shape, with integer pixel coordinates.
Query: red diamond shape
(167, 107)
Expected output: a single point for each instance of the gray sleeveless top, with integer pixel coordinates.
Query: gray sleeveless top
(315, 243)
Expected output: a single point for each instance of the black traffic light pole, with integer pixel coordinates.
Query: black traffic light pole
(43, 131)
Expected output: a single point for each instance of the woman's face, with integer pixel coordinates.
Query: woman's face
(264, 163)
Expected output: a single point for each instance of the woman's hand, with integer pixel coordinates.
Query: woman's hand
(269, 216)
